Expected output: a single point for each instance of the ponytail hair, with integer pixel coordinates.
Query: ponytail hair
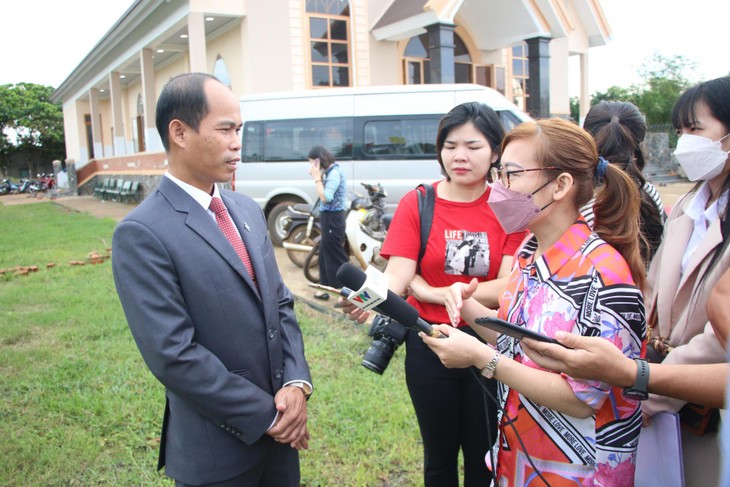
(619, 129)
(617, 210)
(572, 150)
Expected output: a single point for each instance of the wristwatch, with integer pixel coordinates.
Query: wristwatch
(304, 387)
(640, 390)
(491, 367)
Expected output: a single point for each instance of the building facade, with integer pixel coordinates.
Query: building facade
(522, 48)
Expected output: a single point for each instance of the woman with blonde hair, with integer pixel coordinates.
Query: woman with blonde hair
(566, 277)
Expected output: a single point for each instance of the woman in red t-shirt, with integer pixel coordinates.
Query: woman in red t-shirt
(466, 241)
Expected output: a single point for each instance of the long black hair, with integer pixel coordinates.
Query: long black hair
(619, 129)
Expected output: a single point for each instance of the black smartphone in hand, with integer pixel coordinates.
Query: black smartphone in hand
(518, 332)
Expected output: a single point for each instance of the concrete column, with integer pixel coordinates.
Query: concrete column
(115, 84)
(538, 85)
(56, 168)
(441, 52)
(95, 123)
(61, 178)
(149, 100)
(73, 182)
(585, 95)
(196, 43)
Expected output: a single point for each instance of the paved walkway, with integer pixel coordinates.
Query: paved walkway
(293, 276)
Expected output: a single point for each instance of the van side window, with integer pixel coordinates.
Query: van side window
(509, 119)
(291, 140)
(253, 143)
(400, 137)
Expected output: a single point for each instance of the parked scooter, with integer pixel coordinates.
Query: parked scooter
(48, 180)
(42, 184)
(9, 187)
(24, 186)
(302, 231)
(365, 228)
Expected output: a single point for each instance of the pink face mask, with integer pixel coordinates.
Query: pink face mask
(513, 209)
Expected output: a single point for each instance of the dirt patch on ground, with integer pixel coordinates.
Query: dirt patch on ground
(22, 199)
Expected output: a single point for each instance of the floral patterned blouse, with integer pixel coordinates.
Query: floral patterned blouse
(581, 285)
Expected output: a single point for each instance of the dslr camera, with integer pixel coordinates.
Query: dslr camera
(387, 335)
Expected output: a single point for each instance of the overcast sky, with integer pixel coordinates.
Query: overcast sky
(44, 40)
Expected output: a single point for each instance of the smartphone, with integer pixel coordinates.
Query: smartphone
(518, 332)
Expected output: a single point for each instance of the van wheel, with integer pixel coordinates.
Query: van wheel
(277, 222)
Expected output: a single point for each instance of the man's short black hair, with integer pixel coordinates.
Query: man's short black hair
(182, 98)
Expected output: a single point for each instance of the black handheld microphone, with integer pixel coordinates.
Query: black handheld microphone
(394, 306)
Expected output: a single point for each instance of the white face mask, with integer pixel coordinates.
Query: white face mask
(700, 157)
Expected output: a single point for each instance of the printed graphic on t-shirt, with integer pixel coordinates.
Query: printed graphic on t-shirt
(467, 253)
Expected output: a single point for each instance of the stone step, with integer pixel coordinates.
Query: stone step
(664, 177)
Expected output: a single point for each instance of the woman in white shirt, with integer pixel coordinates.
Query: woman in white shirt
(693, 255)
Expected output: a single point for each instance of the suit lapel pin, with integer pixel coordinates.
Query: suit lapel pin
(245, 225)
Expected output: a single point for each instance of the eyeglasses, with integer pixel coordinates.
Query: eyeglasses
(503, 174)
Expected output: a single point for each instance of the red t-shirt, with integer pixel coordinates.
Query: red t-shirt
(466, 241)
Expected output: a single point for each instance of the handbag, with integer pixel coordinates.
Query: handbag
(699, 420)
(695, 418)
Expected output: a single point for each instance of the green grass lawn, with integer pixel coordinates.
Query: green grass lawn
(80, 407)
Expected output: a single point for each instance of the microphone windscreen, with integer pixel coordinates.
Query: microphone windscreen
(394, 306)
(351, 276)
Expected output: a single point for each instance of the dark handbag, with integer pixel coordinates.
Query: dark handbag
(695, 418)
(699, 420)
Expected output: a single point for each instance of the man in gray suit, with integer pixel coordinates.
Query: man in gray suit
(222, 338)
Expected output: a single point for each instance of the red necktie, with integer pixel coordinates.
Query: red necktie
(226, 225)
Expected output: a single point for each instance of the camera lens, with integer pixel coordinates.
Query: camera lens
(378, 356)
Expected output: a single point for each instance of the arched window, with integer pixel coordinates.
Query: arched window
(138, 124)
(140, 105)
(220, 71)
(417, 61)
(329, 42)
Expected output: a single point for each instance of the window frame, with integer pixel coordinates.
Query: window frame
(331, 65)
(519, 82)
(262, 128)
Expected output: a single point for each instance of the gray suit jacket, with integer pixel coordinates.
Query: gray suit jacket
(221, 348)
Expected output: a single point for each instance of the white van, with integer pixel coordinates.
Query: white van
(379, 134)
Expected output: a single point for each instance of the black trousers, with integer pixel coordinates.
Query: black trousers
(332, 246)
(450, 406)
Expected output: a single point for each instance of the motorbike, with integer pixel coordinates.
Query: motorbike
(24, 186)
(43, 183)
(365, 229)
(48, 180)
(301, 232)
(8, 187)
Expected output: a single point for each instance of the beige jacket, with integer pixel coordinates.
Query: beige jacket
(682, 314)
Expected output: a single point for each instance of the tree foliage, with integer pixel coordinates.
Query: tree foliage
(664, 78)
(30, 122)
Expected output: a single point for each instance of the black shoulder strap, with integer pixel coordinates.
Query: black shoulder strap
(426, 202)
